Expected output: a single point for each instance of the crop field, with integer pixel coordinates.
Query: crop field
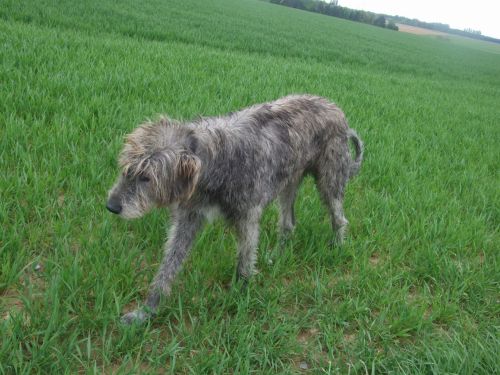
(414, 290)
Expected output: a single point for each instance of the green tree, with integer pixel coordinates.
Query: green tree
(391, 25)
(379, 21)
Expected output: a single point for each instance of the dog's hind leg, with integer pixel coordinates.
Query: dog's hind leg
(334, 201)
(183, 231)
(331, 179)
(286, 201)
(248, 240)
(339, 222)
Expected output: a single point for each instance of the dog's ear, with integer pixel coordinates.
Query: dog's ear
(159, 168)
(192, 142)
(187, 174)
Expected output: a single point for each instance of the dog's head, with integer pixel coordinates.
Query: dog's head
(159, 167)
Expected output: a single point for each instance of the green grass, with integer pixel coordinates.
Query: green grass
(414, 290)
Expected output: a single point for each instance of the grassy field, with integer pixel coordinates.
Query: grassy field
(416, 288)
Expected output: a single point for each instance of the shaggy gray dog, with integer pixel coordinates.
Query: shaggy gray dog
(233, 166)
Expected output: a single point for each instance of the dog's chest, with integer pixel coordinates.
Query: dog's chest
(211, 212)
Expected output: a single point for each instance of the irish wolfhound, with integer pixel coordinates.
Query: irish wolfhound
(234, 166)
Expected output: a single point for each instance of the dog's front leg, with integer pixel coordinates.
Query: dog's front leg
(183, 231)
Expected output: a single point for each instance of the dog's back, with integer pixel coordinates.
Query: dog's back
(261, 149)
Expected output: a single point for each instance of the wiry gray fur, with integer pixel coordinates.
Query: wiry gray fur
(234, 165)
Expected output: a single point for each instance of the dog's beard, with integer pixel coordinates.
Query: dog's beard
(134, 210)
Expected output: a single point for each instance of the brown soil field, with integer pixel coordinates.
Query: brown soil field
(418, 30)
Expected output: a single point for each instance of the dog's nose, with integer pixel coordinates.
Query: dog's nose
(114, 207)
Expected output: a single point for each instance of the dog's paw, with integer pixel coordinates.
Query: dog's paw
(135, 317)
(285, 237)
(337, 241)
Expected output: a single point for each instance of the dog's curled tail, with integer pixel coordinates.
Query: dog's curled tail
(358, 147)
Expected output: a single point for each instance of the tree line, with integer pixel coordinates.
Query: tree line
(333, 9)
(470, 33)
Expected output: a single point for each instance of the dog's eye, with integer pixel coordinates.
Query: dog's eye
(143, 178)
(127, 174)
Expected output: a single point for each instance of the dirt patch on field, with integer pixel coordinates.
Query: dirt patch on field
(418, 30)
(305, 337)
(10, 304)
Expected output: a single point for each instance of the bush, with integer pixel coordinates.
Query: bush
(391, 25)
(379, 21)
